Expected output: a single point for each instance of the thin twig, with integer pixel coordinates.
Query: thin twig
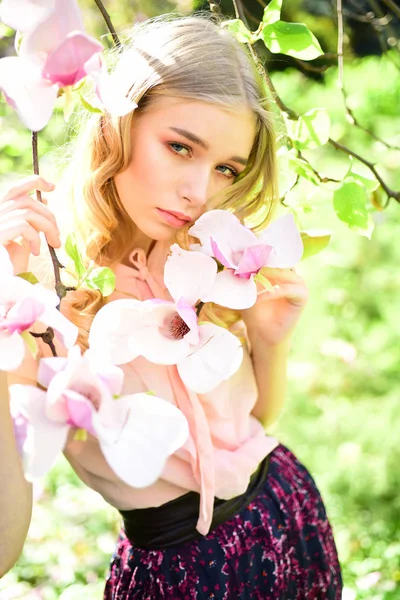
(47, 337)
(349, 113)
(393, 6)
(59, 287)
(109, 24)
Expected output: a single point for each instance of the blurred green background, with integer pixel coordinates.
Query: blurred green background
(341, 415)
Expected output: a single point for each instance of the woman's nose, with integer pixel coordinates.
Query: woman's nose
(196, 188)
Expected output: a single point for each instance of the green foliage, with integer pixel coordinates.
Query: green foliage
(239, 29)
(350, 202)
(293, 39)
(103, 279)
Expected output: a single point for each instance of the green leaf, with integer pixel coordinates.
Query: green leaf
(293, 39)
(72, 250)
(29, 277)
(302, 168)
(69, 103)
(314, 241)
(272, 12)
(103, 279)
(313, 129)
(370, 184)
(350, 203)
(88, 106)
(239, 29)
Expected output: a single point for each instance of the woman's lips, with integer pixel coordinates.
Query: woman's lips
(174, 219)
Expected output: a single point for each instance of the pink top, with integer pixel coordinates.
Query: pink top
(226, 443)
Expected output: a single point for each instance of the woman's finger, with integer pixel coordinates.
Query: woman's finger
(26, 203)
(36, 182)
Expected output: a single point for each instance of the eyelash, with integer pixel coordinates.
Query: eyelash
(233, 171)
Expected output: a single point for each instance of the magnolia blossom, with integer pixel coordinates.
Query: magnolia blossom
(243, 254)
(21, 305)
(169, 333)
(54, 53)
(136, 432)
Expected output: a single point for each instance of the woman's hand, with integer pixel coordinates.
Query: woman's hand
(23, 218)
(274, 316)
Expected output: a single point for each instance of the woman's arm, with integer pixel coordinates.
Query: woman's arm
(269, 363)
(16, 492)
(270, 324)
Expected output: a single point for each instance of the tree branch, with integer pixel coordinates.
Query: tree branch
(393, 7)
(59, 286)
(109, 24)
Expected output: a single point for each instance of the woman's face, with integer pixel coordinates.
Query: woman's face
(183, 153)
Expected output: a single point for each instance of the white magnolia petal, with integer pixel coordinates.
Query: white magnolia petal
(45, 439)
(232, 291)
(189, 275)
(63, 327)
(153, 430)
(12, 351)
(283, 235)
(217, 357)
(27, 92)
(111, 329)
(6, 266)
(24, 15)
(158, 347)
(113, 97)
(227, 232)
(64, 18)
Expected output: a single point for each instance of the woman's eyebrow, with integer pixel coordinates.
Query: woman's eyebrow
(196, 140)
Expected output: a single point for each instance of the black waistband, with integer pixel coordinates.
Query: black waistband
(174, 523)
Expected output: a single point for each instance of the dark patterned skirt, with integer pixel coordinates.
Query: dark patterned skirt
(279, 547)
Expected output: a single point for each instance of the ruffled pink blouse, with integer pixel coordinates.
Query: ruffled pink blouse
(226, 443)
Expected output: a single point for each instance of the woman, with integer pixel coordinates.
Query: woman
(234, 514)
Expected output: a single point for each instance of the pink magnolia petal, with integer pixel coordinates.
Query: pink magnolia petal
(80, 411)
(24, 15)
(23, 315)
(189, 316)
(153, 430)
(227, 232)
(64, 329)
(232, 291)
(45, 439)
(63, 18)
(188, 275)
(12, 351)
(56, 409)
(27, 92)
(220, 256)
(253, 259)
(283, 235)
(49, 367)
(6, 266)
(66, 64)
(218, 355)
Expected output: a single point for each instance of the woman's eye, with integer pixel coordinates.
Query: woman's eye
(227, 171)
(180, 149)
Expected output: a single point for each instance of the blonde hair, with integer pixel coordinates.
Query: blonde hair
(188, 57)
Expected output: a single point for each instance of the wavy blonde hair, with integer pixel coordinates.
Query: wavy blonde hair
(188, 57)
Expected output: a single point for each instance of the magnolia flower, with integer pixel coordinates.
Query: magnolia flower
(169, 333)
(136, 432)
(54, 53)
(243, 254)
(21, 305)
